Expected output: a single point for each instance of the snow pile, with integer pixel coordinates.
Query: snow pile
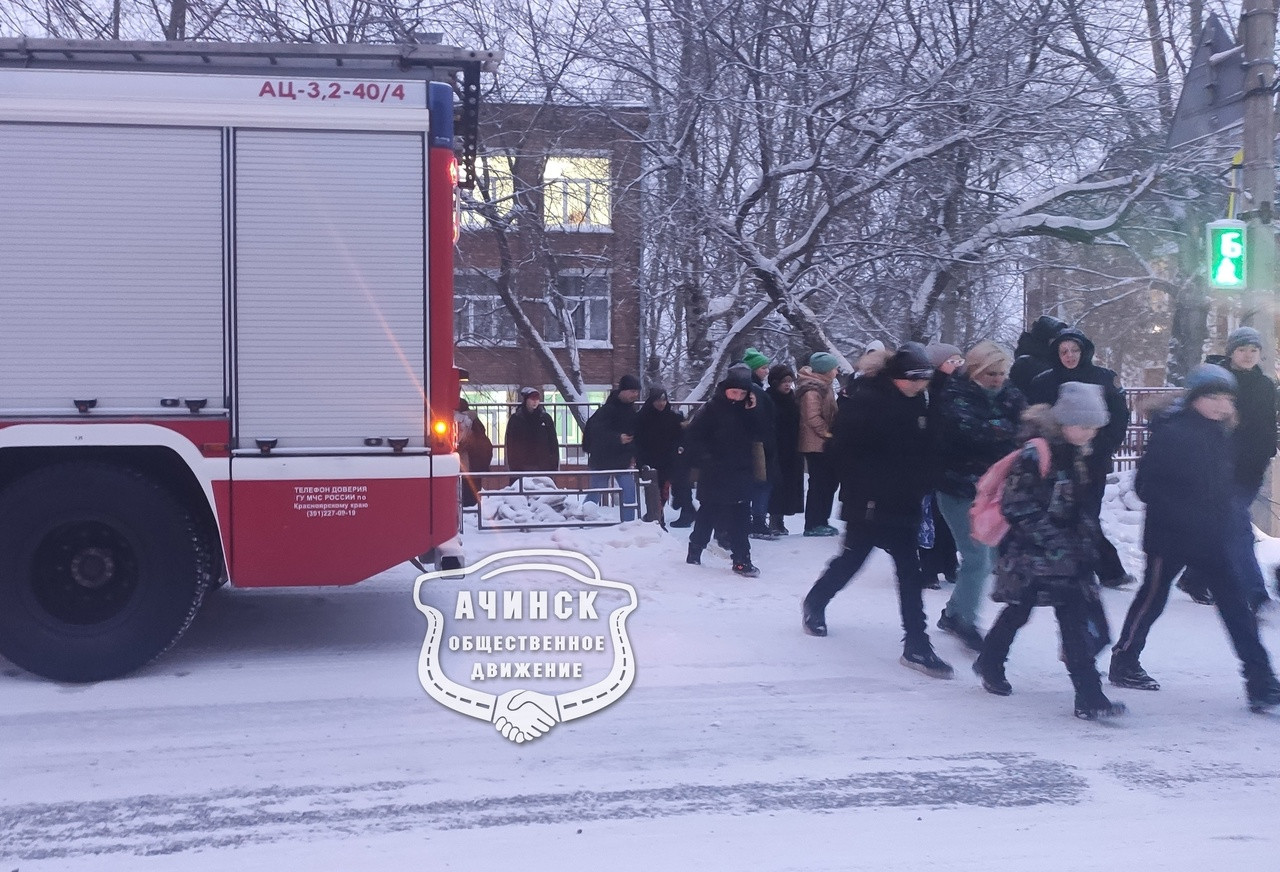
(540, 502)
(1122, 517)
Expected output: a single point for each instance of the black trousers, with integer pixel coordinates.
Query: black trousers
(1228, 596)
(822, 489)
(1078, 642)
(729, 519)
(860, 537)
(1109, 567)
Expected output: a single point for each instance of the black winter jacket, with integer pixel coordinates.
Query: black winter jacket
(721, 443)
(975, 428)
(1044, 389)
(658, 437)
(1254, 439)
(882, 452)
(605, 429)
(1185, 478)
(531, 441)
(1032, 353)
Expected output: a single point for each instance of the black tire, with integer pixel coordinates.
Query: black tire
(101, 570)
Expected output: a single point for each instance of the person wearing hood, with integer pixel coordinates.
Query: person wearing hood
(724, 447)
(817, 401)
(881, 449)
(608, 438)
(659, 434)
(475, 450)
(1073, 362)
(787, 494)
(531, 442)
(1253, 444)
(1186, 476)
(758, 365)
(978, 416)
(1047, 555)
(1033, 355)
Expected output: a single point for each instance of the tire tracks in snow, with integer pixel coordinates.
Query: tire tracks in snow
(169, 824)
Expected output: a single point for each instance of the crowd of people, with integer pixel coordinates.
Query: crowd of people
(930, 450)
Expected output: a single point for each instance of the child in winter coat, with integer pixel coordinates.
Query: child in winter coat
(1186, 478)
(1048, 555)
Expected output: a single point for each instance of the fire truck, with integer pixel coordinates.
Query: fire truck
(226, 328)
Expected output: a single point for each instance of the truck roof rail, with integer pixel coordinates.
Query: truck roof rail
(425, 60)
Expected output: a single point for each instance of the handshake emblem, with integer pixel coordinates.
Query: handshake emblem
(521, 714)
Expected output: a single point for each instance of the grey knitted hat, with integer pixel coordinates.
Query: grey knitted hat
(1242, 336)
(1081, 405)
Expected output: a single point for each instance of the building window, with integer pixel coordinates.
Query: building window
(576, 194)
(480, 318)
(496, 187)
(586, 301)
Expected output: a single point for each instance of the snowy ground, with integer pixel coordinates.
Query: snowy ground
(288, 731)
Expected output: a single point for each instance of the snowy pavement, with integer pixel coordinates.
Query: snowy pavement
(288, 731)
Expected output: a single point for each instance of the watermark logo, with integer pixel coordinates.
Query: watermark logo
(532, 638)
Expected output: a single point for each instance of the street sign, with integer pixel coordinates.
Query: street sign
(1227, 255)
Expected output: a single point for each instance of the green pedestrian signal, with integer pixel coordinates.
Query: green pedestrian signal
(1228, 252)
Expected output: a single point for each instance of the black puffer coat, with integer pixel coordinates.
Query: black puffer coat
(1032, 353)
(658, 437)
(531, 441)
(1254, 439)
(1044, 389)
(1052, 544)
(974, 429)
(882, 452)
(787, 496)
(1185, 478)
(605, 429)
(724, 447)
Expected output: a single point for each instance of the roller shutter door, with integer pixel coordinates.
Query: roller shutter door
(111, 262)
(329, 287)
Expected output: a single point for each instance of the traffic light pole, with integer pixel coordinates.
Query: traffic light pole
(1258, 33)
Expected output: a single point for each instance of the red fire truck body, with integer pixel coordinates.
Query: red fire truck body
(226, 324)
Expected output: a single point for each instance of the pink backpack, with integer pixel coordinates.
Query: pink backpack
(986, 523)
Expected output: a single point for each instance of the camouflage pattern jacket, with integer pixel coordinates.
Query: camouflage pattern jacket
(1051, 547)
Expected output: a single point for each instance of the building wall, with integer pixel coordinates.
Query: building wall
(529, 134)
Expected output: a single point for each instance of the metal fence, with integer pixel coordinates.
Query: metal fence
(540, 500)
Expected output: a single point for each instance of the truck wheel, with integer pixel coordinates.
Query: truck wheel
(101, 570)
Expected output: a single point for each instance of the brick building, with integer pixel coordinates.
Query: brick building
(557, 220)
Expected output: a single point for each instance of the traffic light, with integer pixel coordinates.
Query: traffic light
(1228, 252)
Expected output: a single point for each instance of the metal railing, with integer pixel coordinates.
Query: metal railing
(513, 498)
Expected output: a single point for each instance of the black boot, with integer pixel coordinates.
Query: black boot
(695, 556)
(992, 675)
(776, 527)
(1263, 692)
(918, 654)
(814, 619)
(1129, 673)
(1091, 702)
(966, 633)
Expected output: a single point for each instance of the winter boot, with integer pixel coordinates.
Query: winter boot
(1117, 583)
(762, 531)
(917, 654)
(1263, 692)
(776, 527)
(746, 569)
(992, 675)
(1091, 702)
(695, 556)
(1128, 673)
(966, 633)
(687, 515)
(814, 619)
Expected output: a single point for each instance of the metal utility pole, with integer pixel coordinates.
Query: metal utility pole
(1258, 33)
